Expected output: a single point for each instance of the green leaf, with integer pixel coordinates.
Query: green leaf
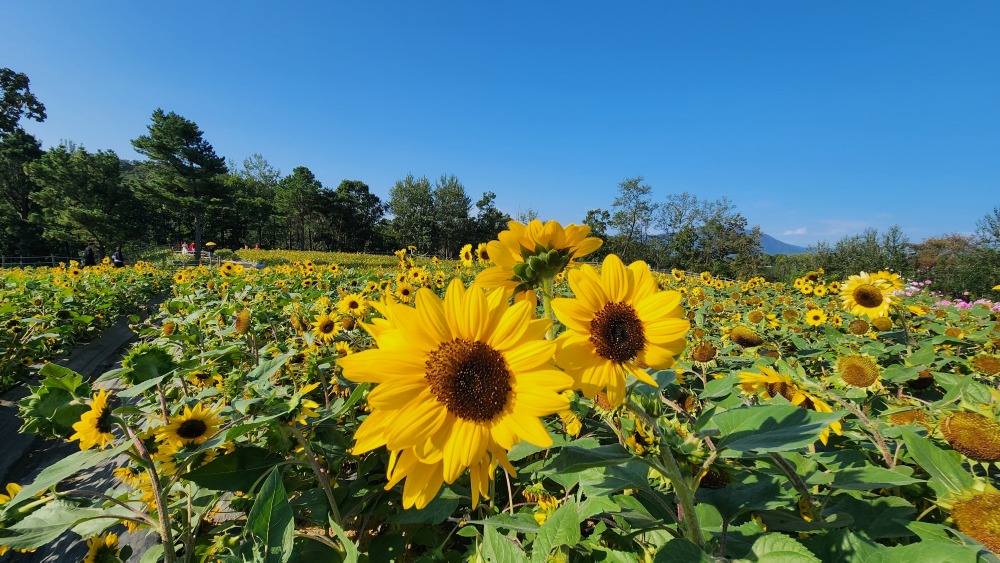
(267, 368)
(66, 467)
(718, 388)
(869, 478)
(139, 388)
(498, 549)
(922, 357)
(752, 492)
(771, 428)
(573, 458)
(47, 523)
(351, 550)
(781, 548)
(60, 377)
(680, 550)
(270, 519)
(561, 528)
(948, 476)
(436, 512)
(235, 471)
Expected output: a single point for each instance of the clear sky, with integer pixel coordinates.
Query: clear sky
(817, 119)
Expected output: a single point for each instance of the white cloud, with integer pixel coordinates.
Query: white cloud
(799, 231)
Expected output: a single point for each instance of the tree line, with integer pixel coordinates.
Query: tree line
(57, 200)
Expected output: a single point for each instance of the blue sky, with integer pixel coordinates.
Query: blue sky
(818, 119)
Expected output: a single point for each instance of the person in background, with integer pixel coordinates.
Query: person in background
(118, 259)
(184, 248)
(88, 256)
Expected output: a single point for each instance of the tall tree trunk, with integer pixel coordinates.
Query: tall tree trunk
(197, 238)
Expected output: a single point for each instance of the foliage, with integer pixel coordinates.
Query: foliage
(749, 448)
(17, 102)
(47, 310)
(82, 197)
(183, 171)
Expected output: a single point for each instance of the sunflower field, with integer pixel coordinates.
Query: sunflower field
(47, 310)
(517, 405)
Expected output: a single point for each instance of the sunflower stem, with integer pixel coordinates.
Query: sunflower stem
(547, 308)
(799, 485)
(166, 536)
(684, 487)
(324, 481)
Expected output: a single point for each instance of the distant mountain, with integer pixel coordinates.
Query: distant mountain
(774, 246)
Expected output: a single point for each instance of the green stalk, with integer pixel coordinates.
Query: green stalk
(684, 487)
(547, 307)
(324, 481)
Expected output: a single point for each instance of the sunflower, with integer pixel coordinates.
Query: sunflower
(525, 255)
(404, 292)
(815, 317)
(859, 327)
(858, 371)
(243, 321)
(703, 354)
(353, 304)
(619, 323)
(974, 435)
(745, 337)
(867, 295)
(94, 427)
(102, 549)
(978, 516)
(459, 382)
(302, 409)
(678, 275)
(466, 255)
(324, 328)
(482, 252)
(193, 426)
(834, 287)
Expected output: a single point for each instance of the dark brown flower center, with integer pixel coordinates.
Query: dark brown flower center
(104, 421)
(867, 295)
(470, 379)
(327, 326)
(191, 429)
(617, 333)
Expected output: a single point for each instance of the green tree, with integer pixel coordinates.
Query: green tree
(412, 205)
(489, 221)
(295, 200)
(451, 215)
(989, 227)
(183, 172)
(250, 215)
(359, 213)
(17, 150)
(631, 216)
(81, 196)
(17, 101)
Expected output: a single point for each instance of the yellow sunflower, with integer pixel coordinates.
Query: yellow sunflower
(482, 252)
(324, 328)
(193, 426)
(867, 295)
(466, 255)
(525, 255)
(404, 292)
(815, 317)
(459, 382)
(353, 304)
(94, 427)
(102, 549)
(619, 323)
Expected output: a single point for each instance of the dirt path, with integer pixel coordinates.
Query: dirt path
(24, 456)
